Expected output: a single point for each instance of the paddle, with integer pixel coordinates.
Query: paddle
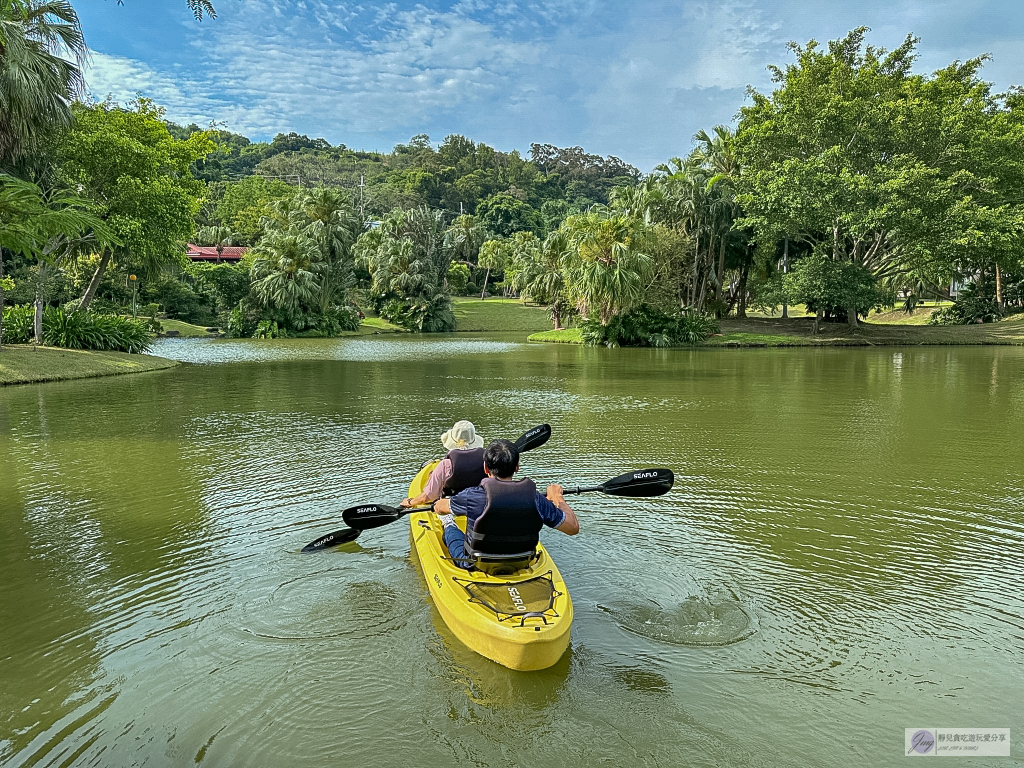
(343, 536)
(639, 484)
(642, 483)
(367, 516)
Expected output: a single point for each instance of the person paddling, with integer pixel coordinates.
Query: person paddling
(461, 468)
(503, 516)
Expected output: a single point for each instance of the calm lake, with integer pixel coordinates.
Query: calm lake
(842, 557)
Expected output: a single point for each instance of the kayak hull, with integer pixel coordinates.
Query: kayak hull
(499, 617)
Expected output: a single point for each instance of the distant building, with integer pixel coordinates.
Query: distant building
(208, 253)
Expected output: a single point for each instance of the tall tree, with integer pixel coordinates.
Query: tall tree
(139, 179)
(37, 82)
(864, 161)
(407, 259)
(606, 267)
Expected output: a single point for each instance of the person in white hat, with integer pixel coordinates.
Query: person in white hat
(461, 468)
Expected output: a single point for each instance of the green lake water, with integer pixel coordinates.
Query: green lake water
(842, 557)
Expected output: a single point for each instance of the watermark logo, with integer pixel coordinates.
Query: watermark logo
(922, 742)
(956, 742)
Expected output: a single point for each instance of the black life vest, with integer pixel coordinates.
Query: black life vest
(510, 524)
(467, 470)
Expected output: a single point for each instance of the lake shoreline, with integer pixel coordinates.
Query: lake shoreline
(796, 332)
(23, 364)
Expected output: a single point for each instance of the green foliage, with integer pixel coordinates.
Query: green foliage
(606, 269)
(77, 330)
(504, 215)
(832, 287)
(42, 51)
(408, 257)
(857, 156)
(138, 178)
(303, 269)
(645, 326)
(458, 278)
(180, 300)
(242, 205)
(966, 311)
(7, 283)
(17, 324)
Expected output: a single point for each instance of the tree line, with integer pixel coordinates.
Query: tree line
(853, 182)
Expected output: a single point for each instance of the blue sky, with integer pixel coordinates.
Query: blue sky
(633, 79)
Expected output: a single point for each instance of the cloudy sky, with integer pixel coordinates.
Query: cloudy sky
(630, 78)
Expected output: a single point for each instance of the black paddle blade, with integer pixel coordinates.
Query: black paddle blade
(367, 516)
(643, 482)
(343, 536)
(534, 438)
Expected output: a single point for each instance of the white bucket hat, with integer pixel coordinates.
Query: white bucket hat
(462, 436)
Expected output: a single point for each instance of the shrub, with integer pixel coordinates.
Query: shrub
(85, 330)
(458, 278)
(972, 309)
(645, 326)
(17, 324)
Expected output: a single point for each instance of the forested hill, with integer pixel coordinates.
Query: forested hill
(460, 175)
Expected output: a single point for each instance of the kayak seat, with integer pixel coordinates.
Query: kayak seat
(504, 538)
(503, 567)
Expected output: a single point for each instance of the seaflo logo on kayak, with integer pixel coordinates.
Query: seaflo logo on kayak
(516, 599)
(644, 475)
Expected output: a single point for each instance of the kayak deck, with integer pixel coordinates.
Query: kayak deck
(521, 621)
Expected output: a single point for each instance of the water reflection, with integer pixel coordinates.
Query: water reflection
(848, 521)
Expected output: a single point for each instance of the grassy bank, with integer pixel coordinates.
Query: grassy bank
(496, 314)
(20, 364)
(561, 336)
(373, 325)
(796, 332)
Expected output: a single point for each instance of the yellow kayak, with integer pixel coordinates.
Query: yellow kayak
(521, 620)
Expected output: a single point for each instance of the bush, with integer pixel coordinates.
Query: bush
(63, 327)
(85, 330)
(973, 309)
(17, 324)
(433, 316)
(645, 326)
(458, 278)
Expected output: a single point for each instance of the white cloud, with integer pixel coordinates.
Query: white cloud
(123, 79)
(635, 80)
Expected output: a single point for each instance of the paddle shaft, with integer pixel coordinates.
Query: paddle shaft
(588, 489)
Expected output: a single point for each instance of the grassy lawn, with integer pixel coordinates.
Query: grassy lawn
(185, 329)
(497, 314)
(20, 364)
(562, 336)
(796, 332)
(372, 325)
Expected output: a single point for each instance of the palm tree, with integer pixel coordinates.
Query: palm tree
(464, 238)
(330, 220)
(282, 271)
(37, 84)
(607, 270)
(219, 237)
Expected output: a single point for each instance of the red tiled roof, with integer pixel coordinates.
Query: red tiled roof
(209, 252)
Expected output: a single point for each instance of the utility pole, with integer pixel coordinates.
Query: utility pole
(362, 184)
(461, 212)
